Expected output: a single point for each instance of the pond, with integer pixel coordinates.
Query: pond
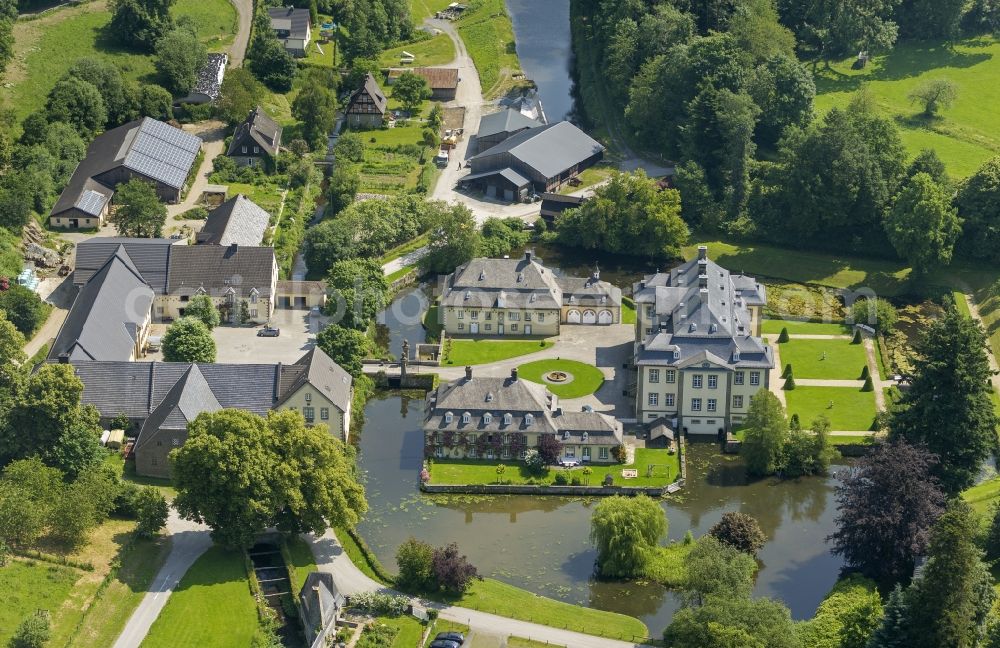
(544, 47)
(541, 543)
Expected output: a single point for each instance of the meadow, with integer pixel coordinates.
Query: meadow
(489, 36)
(965, 135)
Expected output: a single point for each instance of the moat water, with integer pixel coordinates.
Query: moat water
(541, 543)
(544, 47)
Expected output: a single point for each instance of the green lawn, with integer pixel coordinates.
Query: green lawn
(666, 467)
(107, 617)
(828, 359)
(211, 607)
(628, 311)
(45, 48)
(399, 274)
(518, 642)
(586, 378)
(961, 303)
(446, 626)
(774, 326)
(409, 632)
(362, 559)
(853, 409)
(489, 36)
(31, 585)
(506, 600)
(852, 439)
(420, 9)
(302, 562)
(437, 50)
(473, 352)
(265, 193)
(965, 135)
(982, 496)
(405, 248)
(589, 177)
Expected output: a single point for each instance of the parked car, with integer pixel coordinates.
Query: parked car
(569, 463)
(450, 636)
(444, 643)
(268, 331)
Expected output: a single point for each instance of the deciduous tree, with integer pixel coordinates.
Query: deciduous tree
(886, 505)
(411, 90)
(201, 307)
(346, 346)
(626, 530)
(188, 340)
(740, 531)
(316, 107)
(454, 241)
(78, 103)
(151, 511)
(978, 203)
(452, 571)
(140, 23)
(415, 560)
(33, 632)
(934, 95)
(179, 58)
(239, 93)
(766, 431)
(139, 212)
(923, 226)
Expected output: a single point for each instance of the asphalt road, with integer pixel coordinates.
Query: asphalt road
(238, 50)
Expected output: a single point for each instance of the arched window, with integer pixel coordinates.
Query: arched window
(466, 417)
(448, 416)
(529, 419)
(487, 418)
(507, 419)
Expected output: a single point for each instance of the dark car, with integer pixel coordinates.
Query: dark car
(443, 643)
(267, 331)
(457, 637)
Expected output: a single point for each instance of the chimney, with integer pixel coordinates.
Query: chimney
(63, 358)
(513, 374)
(703, 252)
(703, 282)
(528, 254)
(319, 603)
(468, 372)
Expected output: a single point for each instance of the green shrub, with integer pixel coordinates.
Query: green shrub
(865, 373)
(857, 337)
(788, 371)
(783, 337)
(789, 383)
(561, 479)
(868, 386)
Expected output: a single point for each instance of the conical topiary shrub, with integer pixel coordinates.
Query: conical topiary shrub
(788, 371)
(784, 335)
(865, 374)
(857, 337)
(869, 385)
(789, 383)
(794, 423)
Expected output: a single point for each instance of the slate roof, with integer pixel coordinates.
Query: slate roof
(238, 220)
(210, 76)
(505, 121)
(532, 408)
(146, 146)
(589, 291)
(326, 376)
(151, 258)
(190, 396)
(261, 128)
(507, 173)
(294, 21)
(370, 86)
(215, 269)
(321, 601)
(107, 316)
(549, 149)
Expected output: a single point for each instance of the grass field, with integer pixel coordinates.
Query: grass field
(420, 9)
(827, 359)
(45, 48)
(965, 135)
(982, 496)
(489, 36)
(31, 585)
(211, 607)
(586, 378)
(473, 352)
(628, 311)
(437, 50)
(772, 326)
(302, 562)
(853, 410)
(589, 177)
(666, 467)
(409, 633)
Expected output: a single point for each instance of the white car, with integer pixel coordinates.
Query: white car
(567, 462)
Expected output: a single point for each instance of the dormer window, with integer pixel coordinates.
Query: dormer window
(487, 418)
(482, 275)
(572, 299)
(489, 397)
(466, 417)
(468, 295)
(448, 417)
(736, 355)
(520, 277)
(507, 418)
(529, 419)
(585, 437)
(604, 299)
(532, 298)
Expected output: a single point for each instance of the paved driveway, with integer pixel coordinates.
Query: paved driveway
(241, 345)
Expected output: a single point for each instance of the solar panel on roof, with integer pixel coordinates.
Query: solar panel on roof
(91, 202)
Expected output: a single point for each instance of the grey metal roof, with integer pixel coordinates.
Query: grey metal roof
(238, 220)
(151, 258)
(261, 128)
(507, 173)
(505, 121)
(549, 149)
(319, 370)
(107, 315)
(161, 152)
(217, 269)
(291, 19)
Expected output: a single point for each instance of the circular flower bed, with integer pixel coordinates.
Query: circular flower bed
(564, 378)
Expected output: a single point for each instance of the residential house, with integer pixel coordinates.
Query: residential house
(206, 88)
(698, 354)
(366, 107)
(238, 221)
(256, 141)
(291, 26)
(535, 160)
(146, 149)
(511, 297)
(496, 127)
(321, 605)
(443, 82)
(502, 418)
(230, 274)
(110, 317)
(162, 398)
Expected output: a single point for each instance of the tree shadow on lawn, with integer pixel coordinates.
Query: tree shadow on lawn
(106, 43)
(905, 61)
